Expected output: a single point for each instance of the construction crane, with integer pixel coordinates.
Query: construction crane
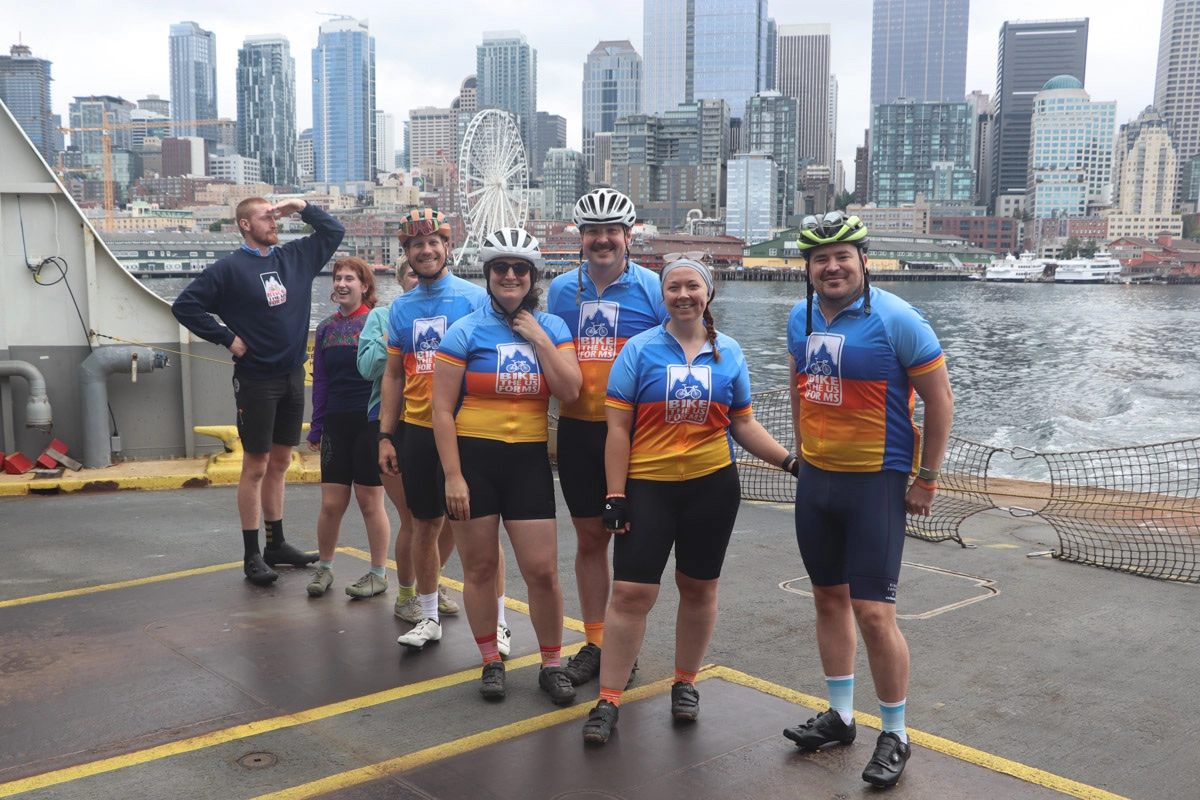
(106, 149)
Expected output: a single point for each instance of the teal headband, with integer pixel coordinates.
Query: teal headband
(696, 265)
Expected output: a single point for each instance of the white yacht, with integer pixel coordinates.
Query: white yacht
(1025, 268)
(1100, 268)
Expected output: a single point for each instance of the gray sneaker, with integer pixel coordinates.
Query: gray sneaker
(368, 585)
(446, 604)
(322, 579)
(409, 609)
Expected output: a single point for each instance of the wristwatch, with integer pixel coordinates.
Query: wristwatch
(928, 474)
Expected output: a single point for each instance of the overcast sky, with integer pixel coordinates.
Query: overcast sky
(424, 50)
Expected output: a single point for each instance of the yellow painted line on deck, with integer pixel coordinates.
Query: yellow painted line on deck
(970, 755)
(467, 744)
(249, 729)
(108, 587)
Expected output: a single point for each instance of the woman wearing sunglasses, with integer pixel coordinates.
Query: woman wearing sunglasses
(678, 397)
(492, 379)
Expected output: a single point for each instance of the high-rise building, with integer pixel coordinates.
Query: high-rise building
(266, 107)
(551, 133)
(1177, 83)
(193, 79)
(564, 180)
(770, 127)
(602, 159)
(343, 75)
(981, 107)
(831, 148)
(921, 149)
(1070, 151)
(1145, 170)
(703, 49)
(751, 195)
(432, 133)
(612, 88)
(919, 50)
(155, 104)
(304, 155)
(96, 111)
(185, 155)
(385, 142)
(506, 74)
(25, 89)
(1030, 54)
(862, 169)
(803, 73)
(670, 164)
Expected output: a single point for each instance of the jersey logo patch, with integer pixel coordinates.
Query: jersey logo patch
(597, 339)
(823, 369)
(427, 335)
(276, 291)
(517, 369)
(688, 393)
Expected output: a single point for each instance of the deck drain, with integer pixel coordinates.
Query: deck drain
(258, 760)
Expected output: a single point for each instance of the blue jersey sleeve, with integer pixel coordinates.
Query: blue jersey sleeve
(556, 329)
(457, 342)
(622, 378)
(911, 336)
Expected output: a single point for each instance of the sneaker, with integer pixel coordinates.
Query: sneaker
(257, 570)
(888, 762)
(446, 604)
(368, 585)
(322, 580)
(554, 682)
(584, 665)
(409, 609)
(600, 722)
(825, 728)
(685, 701)
(425, 632)
(504, 640)
(286, 554)
(491, 684)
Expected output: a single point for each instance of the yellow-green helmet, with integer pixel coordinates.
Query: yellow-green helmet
(831, 228)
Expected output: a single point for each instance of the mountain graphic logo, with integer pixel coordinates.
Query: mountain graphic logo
(689, 390)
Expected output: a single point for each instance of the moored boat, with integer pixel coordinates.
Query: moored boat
(1010, 269)
(1100, 268)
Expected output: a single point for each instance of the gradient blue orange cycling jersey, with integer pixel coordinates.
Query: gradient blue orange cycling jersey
(856, 400)
(681, 411)
(504, 395)
(416, 324)
(602, 324)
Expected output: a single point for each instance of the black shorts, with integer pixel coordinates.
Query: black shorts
(581, 465)
(512, 480)
(850, 529)
(349, 453)
(424, 486)
(696, 516)
(269, 411)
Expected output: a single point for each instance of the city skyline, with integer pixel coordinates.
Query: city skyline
(414, 73)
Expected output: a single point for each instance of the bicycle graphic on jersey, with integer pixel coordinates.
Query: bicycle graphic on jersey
(688, 393)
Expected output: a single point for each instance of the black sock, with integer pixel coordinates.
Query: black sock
(250, 540)
(274, 533)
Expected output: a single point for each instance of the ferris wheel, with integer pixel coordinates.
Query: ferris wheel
(493, 177)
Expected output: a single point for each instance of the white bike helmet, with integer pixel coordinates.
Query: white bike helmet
(604, 207)
(514, 242)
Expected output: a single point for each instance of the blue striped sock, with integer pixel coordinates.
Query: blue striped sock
(379, 572)
(325, 564)
(841, 695)
(892, 715)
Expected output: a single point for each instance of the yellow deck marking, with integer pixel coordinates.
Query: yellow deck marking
(106, 587)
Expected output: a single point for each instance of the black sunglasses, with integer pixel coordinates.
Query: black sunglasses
(519, 268)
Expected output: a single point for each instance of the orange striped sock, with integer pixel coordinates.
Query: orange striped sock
(593, 632)
(611, 695)
(682, 675)
(487, 648)
(551, 656)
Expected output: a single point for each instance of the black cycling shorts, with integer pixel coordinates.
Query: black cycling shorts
(349, 453)
(850, 529)
(695, 516)
(512, 480)
(581, 465)
(269, 411)
(424, 487)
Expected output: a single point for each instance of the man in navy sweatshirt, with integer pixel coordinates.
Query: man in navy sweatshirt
(263, 294)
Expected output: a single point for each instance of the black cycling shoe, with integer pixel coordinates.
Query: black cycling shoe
(554, 682)
(632, 674)
(491, 685)
(257, 571)
(825, 728)
(888, 762)
(286, 554)
(600, 723)
(685, 701)
(584, 665)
